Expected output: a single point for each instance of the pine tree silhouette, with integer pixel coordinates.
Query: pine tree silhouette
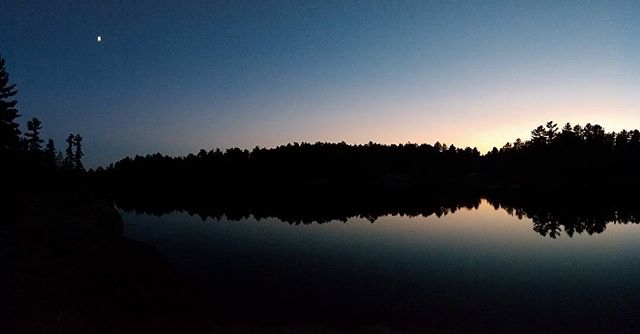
(50, 153)
(78, 154)
(9, 130)
(34, 143)
(69, 159)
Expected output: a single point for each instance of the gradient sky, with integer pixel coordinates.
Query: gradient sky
(177, 76)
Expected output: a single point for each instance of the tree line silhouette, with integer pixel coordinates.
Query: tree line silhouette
(26, 150)
(30, 169)
(575, 158)
(284, 170)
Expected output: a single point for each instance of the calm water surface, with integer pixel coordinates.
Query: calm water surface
(473, 270)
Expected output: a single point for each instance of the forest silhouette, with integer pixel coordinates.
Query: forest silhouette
(571, 158)
(320, 182)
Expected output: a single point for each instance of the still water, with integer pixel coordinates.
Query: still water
(474, 270)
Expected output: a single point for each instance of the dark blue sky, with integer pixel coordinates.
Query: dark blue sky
(177, 76)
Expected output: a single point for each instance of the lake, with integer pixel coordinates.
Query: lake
(478, 269)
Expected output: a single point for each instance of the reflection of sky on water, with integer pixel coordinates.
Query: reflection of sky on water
(467, 261)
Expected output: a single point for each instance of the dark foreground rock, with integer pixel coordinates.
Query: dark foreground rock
(68, 269)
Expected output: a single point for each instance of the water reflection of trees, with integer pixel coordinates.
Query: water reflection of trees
(571, 215)
(297, 212)
(551, 217)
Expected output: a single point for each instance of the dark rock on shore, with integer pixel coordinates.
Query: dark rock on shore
(69, 269)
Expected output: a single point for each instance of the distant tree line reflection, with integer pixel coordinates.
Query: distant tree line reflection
(294, 211)
(570, 214)
(550, 218)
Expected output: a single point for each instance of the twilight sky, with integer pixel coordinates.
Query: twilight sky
(177, 76)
